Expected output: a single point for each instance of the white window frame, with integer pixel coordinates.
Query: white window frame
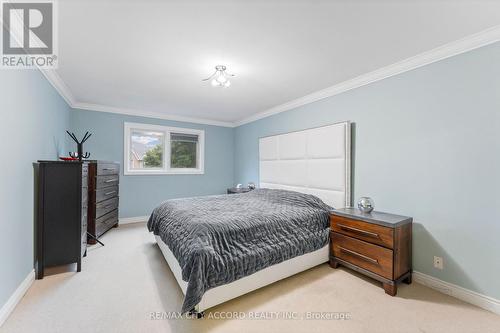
(166, 170)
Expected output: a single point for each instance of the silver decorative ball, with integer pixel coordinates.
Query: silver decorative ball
(251, 186)
(366, 204)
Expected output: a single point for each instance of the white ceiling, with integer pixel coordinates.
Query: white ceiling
(151, 56)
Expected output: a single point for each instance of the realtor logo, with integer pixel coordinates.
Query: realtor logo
(28, 35)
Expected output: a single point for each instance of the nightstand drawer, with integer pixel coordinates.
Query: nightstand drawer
(369, 232)
(371, 257)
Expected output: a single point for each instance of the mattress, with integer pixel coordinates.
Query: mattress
(220, 239)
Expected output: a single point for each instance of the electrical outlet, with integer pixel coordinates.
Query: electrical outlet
(438, 262)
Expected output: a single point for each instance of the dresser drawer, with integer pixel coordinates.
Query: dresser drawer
(371, 257)
(104, 169)
(107, 181)
(106, 193)
(369, 232)
(104, 223)
(104, 207)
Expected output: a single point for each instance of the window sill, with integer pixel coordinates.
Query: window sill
(166, 173)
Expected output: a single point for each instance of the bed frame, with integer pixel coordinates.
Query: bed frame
(314, 161)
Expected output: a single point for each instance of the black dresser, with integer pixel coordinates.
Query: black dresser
(104, 185)
(61, 214)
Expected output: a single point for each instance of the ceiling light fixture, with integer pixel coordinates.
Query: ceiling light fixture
(220, 78)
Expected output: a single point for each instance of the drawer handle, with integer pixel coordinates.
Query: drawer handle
(359, 255)
(111, 180)
(109, 193)
(109, 169)
(359, 231)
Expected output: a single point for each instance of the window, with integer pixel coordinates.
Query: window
(146, 148)
(183, 150)
(153, 149)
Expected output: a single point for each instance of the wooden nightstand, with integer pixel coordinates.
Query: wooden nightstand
(375, 244)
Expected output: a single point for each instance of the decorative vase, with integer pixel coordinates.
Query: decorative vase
(366, 204)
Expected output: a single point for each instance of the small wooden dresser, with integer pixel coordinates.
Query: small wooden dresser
(61, 214)
(375, 244)
(104, 184)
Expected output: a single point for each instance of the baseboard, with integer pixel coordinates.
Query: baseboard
(137, 219)
(466, 295)
(16, 297)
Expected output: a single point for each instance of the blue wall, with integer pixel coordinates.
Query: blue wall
(427, 145)
(140, 194)
(33, 120)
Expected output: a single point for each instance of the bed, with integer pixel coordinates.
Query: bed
(221, 247)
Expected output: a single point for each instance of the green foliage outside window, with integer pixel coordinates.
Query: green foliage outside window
(183, 154)
(154, 157)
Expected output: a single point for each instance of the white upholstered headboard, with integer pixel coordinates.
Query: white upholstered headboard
(314, 161)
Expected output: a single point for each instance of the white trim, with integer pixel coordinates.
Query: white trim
(463, 45)
(16, 297)
(149, 114)
(59, 85)
(135, 219)
(166, 169)
(468, 43)
(466, 295)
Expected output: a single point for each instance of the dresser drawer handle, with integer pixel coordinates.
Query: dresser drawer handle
(109, 169)
(359, 231)
(111, 180)
(359, 255)
(109, 193)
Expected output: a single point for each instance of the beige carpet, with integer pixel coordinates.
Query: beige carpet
(122, 283)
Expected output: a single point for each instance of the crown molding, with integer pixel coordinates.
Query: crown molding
(469, 43)
(148, 114)
(483, 38)
(59, 85)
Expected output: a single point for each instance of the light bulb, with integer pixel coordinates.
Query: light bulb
(222, 78)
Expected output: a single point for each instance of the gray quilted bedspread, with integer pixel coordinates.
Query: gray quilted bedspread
(220, 239)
